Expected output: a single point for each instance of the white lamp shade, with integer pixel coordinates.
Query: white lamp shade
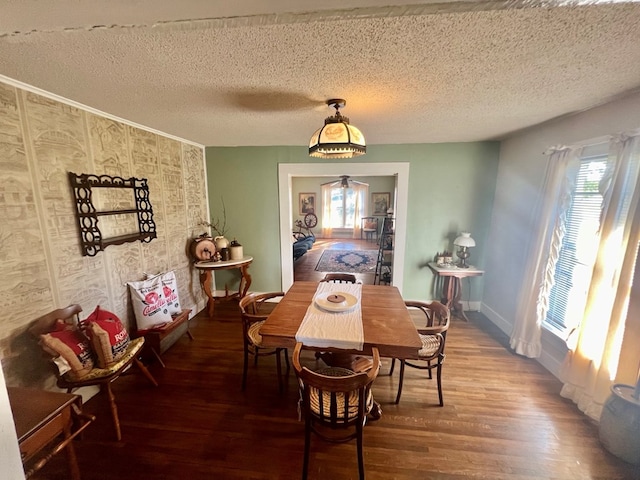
(464, 240)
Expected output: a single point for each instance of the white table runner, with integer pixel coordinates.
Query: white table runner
(323, 329)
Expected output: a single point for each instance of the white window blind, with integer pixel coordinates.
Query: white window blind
(573, 270)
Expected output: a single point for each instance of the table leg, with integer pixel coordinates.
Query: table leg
(71, 452)
(452, 294)
(206, 278)
(456, 303)
(245, 279)
(447, 291)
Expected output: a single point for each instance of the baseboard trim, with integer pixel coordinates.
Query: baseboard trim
(553, 349)
(496, 319)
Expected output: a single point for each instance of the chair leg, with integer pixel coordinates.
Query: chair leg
(429, 365)
(393, 365)
(360, 453)
(307, 447)
(439, 377)
(145, 372)
(279, 367)
(286, 360)
(114, 409)
(400, 381)
(245, 367)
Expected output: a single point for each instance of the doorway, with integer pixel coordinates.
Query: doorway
(289, 170)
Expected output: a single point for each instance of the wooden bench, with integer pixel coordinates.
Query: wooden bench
(159, 340)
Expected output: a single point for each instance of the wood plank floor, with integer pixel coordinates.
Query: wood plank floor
(502, 419)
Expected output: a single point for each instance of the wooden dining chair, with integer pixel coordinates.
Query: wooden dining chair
(369, 228)
(102, 377)
(334, 402)
(254, 310)
(339, 278)
(433, 336)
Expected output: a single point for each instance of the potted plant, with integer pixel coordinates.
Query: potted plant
(620, 422)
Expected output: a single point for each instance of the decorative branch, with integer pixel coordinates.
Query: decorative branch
(215, 226)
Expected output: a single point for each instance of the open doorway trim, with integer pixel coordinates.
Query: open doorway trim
(286, 171)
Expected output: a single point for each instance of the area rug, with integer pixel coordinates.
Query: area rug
(348, 261)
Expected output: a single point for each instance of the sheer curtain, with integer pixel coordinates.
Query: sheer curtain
(327, 230)
(602, 339)
(562, 166)
(361, 194)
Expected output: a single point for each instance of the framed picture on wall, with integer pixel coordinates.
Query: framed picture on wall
(307, 203)
(380, 202)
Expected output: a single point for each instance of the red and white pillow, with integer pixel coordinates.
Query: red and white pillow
(169, 290)
(149, 303)
(108, 336)
(71, 348)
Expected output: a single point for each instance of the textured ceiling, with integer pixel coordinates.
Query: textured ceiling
(258, 73)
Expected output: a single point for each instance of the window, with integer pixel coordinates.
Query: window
(578, 251)
(343, 207)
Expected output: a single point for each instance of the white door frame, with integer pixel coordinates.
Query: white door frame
(286, 171)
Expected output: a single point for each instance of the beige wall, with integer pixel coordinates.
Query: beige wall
(41, 265)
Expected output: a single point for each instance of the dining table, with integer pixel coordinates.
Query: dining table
(378, 310)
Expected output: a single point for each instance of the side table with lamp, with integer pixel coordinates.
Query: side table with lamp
(453, 274)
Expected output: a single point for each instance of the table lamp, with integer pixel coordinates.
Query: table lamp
(463, 242)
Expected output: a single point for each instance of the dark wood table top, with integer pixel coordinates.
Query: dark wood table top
(33, 408)
(385, 320)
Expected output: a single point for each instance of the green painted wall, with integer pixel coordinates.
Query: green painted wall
(451, 188)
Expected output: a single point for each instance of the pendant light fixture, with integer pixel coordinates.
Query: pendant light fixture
(345, 181)
(337, 138)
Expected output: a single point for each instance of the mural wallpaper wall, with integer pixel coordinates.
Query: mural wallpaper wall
(41, 139)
